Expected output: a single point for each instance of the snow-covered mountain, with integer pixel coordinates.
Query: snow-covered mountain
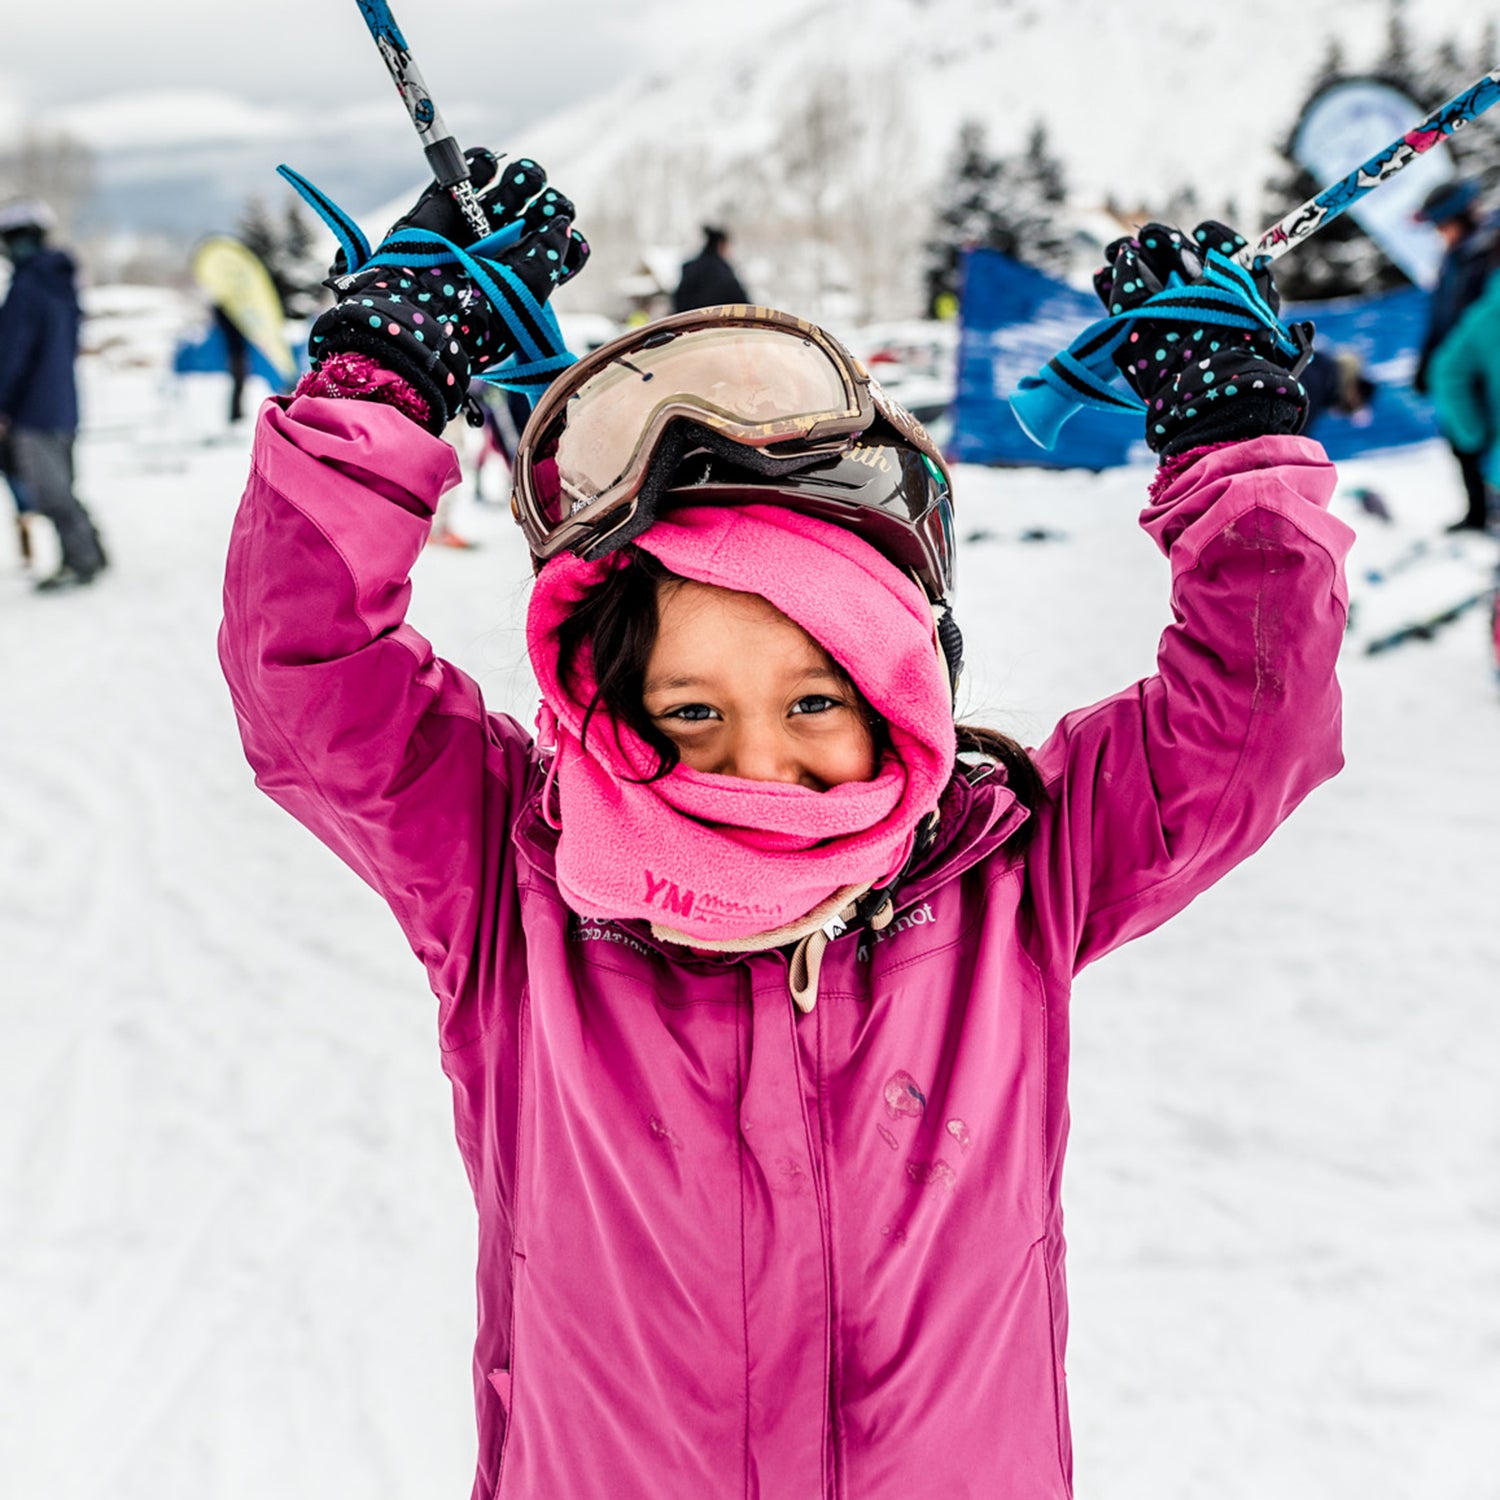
(1138, 99)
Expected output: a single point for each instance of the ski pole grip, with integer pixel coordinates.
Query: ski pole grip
(447, 162)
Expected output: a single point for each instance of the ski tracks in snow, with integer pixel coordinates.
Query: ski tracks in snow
(235, 1248)
(197, 1112)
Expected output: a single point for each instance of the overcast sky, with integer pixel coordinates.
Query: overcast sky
(516, 57)
(188, 104)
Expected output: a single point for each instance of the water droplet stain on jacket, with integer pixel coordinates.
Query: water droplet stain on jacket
(794, 1178)
(934, 1174)
(888, 1138)
(903, 1097)
(894, 1235)
(660, 1132)
(960, 1133)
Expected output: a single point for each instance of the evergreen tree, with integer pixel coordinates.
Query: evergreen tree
(296, 233)
(1045, 171)
(1341, 260)
(259, 233)
(1398, 63)
(1010, 204)
(1476, 148)
(303, 263)
(964, 195)
(285, 246)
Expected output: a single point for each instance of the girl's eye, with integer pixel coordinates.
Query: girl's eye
(689, 713)
(815, 703)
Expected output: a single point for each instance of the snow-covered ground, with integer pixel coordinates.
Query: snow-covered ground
(235, 1242)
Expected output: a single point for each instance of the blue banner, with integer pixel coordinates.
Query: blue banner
(1015, 318)
(209, 355)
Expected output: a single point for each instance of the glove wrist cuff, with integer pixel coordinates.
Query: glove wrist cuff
(353, 376)
(435, 386)
(1236, 422)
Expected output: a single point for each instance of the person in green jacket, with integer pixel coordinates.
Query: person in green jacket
(1464, 384)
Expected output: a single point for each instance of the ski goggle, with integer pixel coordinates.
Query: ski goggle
(880, 488)
(761, 380)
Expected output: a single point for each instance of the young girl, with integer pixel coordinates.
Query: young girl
(752, 970)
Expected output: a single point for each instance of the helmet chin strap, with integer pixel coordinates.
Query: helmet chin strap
(947, 639)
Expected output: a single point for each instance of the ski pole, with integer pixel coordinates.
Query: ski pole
(1084, 374)
(1327, 205)
(444, 155)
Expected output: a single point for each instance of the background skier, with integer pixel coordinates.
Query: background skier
(708, 280)
(39, 324)
(1473, 253)
(1464, 383)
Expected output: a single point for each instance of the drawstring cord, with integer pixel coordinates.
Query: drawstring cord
(546, 743)
(807, 956)
(874, 910)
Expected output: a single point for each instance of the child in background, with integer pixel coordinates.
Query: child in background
(753, 969)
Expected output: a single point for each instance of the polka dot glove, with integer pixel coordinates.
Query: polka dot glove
(1201, 382)
(434, 325)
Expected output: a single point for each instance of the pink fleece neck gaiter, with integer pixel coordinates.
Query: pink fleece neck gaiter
(720, 857)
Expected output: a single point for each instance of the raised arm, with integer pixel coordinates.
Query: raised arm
(348, 719)
(1157, 792)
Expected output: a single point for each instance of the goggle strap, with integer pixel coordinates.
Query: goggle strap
(640, 516)
(681, 438)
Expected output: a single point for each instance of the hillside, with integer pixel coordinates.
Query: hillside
(1139, 100)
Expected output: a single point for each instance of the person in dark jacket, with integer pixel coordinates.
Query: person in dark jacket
(39, 323)
(1473, 252)
(237, 352)
(708, 280)
(17, 487)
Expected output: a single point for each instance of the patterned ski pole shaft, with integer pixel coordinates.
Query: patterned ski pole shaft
(1365, 178)
(444, 154)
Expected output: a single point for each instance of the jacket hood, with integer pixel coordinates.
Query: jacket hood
(50, 271)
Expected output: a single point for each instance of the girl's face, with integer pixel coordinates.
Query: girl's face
(743, 691)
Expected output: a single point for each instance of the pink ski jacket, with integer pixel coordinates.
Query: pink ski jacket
(727, 1252)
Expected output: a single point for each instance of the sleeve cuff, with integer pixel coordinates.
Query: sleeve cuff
(357, 377)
